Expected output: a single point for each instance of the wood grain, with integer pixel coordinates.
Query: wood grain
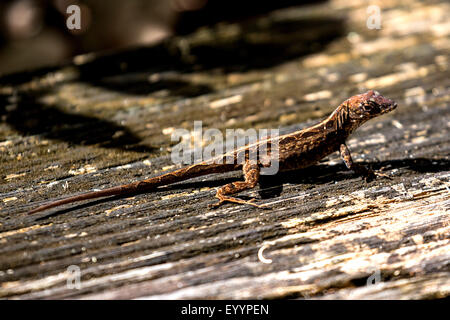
(106, 120)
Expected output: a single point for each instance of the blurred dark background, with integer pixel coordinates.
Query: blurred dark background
(33, 33)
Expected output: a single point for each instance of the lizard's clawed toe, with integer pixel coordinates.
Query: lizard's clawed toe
(216, 205)
(236, 200)
(251, 202)
(378, 173)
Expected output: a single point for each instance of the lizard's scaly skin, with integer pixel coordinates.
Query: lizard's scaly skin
(296, 150)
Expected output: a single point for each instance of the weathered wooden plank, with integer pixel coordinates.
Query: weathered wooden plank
(106, 121)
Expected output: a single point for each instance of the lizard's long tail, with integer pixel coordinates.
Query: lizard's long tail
(143, 185)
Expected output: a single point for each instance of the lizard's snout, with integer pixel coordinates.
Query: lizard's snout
(386, 104)
(391, 105)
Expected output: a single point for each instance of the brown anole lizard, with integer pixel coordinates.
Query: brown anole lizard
(296, 150)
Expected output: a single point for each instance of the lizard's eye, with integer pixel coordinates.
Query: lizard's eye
(367, 107)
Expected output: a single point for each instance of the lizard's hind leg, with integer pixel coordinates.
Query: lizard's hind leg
(251, 175)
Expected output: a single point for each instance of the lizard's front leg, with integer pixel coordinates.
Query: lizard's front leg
(367, 173)
(251, 175)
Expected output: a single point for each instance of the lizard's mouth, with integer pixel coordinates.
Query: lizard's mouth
(388, 107)
(393, 106)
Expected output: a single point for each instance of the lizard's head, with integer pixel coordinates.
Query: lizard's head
(368, 105)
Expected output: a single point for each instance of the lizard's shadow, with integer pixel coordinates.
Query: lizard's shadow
(272, 186)
(30, 116)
